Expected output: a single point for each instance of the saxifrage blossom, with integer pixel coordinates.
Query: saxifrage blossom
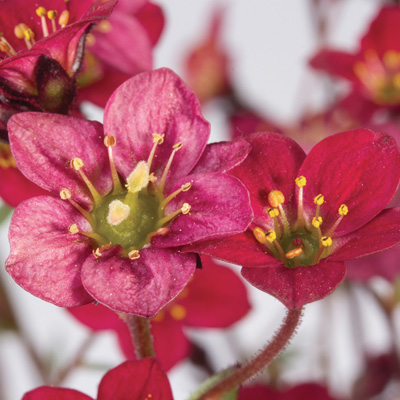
(119, 242)
(313, 212)
(42, 48)
(133, 380)
(215, 298)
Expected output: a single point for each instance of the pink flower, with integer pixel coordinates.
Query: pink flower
(119, 243)
(214, 298)
(133, 380)
(43, 48)
(374, 70)
(313, 212)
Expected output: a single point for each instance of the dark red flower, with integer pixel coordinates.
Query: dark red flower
(313, 213)
(133, 380)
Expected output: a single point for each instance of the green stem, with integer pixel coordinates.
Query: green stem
(256, 364)
(141, 335)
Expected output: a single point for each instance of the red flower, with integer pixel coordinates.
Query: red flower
(133, 380)
(214, 298)
(313, 213)
(374, 70)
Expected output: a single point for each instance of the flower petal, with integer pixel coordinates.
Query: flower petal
(53, 393)
(149, 381)
(45, 259)
(222, 156)
(379, 234)
(359, 168)
(219, 207)
(142, 286)
(39, 141)
(272, 164)
(295, 287)
(160, 102)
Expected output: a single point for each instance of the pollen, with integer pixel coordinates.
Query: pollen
(326, 241)
(319, 200)
(316, 222)
(294, 253)
(65, 194)
(110, 141)
(270, 236)
(134, 254)
(301, 181)
(275, 197)
(41, 11)
(259, 234)
(76, 163)
(118, 212)
(273, 212)
(139, 177)
(343, 210)
(186, 208)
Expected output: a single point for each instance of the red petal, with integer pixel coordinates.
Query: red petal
(52, 393)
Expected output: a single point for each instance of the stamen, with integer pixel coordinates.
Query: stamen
(77, 164)
(22, 31)
(5, 41)
(184, 188)
(270, 236)
(175, 147)
(259, 234)
(118, 212)
(64, 19)
(274, 213)
(134, 254)
(178, 313)
(294, 253)
(184, 210)
(301, 181)
(65, 194)
(326, 241)
(157, 140)
(104, 26)
(97, 252)
(343, 210)
(30, 36)
(6, 49)
(73, 229)
(52, 15)
(110, 141)
(316, 222)
(138, 178)
(276, 198)
(41, 12)
(161, 231)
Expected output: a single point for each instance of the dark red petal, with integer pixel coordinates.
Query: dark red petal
(381, 233)
(150, 381)
(216, 297)
(53, 393)
(45, 259)
(272, 164)
(295, 287)
(359, 168)
(151, 16)
(142, 286)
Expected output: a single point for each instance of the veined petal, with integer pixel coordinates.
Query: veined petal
(44, 144)
(156, 102)
(379, 234)
(219, 207)
(142, 286)
(295, 287)
(359, 168)
(45, 259)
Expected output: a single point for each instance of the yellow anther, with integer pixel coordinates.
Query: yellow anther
(259, 234)
(19, 31)
(41, 11)
(76, 163)
(117, 212)
(157, 138)
(52, 14)
(273, 212)
(29, 34)
(90, 39)
(275, 197)
(97, 252)
(110, 141)
(391, 59)
(343, 210)
(270, 236)
(294, 253)
(186, 208)
(360, 69)
(65, 194)
(186, 186)
(319, 200)
(301, 181)
(4, 47)
(73, 229)
(177, 146)
(64, 18)
(134, 254)
(104, 26)
(139, 177)
(326, 241)
(178, 312)
(316, 221)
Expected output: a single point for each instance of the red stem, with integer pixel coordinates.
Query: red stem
(141, 335)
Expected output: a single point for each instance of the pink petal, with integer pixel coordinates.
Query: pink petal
(149, 379)
(53, 393)
(379, 234)
(222, 156)
(45, 259)
(151, 16)
(142, 286)
(156, 101)
(295, 287)
(272, 164)
(359, 168)
(219, 207)
(44, 144)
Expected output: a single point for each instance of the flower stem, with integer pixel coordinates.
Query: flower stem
(141, 335)
(256, 364)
